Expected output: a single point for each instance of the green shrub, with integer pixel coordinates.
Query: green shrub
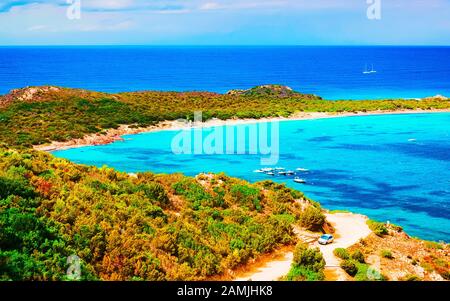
(377, 227)
(349, 267)
(310, 258)
(445, 275)
(15, 187)
(358, 256)
(396, 228)
(386, 254)
(433, 245)
(341, 253)
(308, 264)
(156, 192)
(312, 218)
(299, 273)
(411, 277)
(246, 195)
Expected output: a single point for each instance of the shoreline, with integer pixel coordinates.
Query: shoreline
(113, 135)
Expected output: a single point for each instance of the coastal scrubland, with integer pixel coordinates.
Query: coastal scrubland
(39, 115)
(147, 226)
(127, 227)
(390, 254)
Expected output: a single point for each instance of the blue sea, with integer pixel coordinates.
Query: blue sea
(389, 167)
(331, 72)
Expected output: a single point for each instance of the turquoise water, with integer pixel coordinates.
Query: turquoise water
(390, 167)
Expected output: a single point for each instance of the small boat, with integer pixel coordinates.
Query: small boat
(270, 173)
(302, 169)
(366, 71)
(290, 172)
(258, 171)
(299, 180)
(279, 168)
(282, 173)
(267, 169)
(369, 71)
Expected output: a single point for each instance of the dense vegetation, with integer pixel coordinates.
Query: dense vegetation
(308, 264)
(40, 115)
(153, 227)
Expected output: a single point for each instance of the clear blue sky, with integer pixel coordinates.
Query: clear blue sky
(225, 22)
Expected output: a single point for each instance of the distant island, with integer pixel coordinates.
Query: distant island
(119, 226)
(43, 115)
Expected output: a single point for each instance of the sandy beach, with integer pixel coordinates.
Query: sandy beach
(113, 135)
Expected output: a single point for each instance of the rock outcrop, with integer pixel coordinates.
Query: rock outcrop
(271, 91)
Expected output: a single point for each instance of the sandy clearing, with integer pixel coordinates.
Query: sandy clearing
(271, 271)
(350, 228)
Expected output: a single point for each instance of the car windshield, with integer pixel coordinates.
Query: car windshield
(325, 236)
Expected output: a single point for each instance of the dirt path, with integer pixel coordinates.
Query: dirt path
(270, 271)
(350, 228)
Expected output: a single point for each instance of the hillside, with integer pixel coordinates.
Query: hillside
(123, 227)
(400, 257)
(39, 115)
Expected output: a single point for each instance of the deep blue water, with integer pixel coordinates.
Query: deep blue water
(391, 167)
(331, 72)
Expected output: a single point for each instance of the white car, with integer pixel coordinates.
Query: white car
(326, 239)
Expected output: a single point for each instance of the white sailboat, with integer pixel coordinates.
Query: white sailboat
(366, 71)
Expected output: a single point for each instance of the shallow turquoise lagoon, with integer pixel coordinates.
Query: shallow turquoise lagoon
(389, 167)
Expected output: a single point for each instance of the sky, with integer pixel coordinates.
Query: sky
(225, 22)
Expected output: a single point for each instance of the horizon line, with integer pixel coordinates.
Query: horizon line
(226, 45)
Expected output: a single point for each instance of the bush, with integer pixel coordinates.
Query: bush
(308, 264)
(349, 267)
(386, 254)
(411, 278)
(445, 275)
(246, 195)
(298, 273)
(341, 253)
(433, 245)
(358, 256)
(310, 258)
(312, 218)
(156, 192)
(15, 187)
(377, 227)
(396, 228)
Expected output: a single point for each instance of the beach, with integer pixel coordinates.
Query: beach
(112, 135)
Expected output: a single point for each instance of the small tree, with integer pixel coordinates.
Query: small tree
(310, 258)
(312, 218)
(308, 264)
